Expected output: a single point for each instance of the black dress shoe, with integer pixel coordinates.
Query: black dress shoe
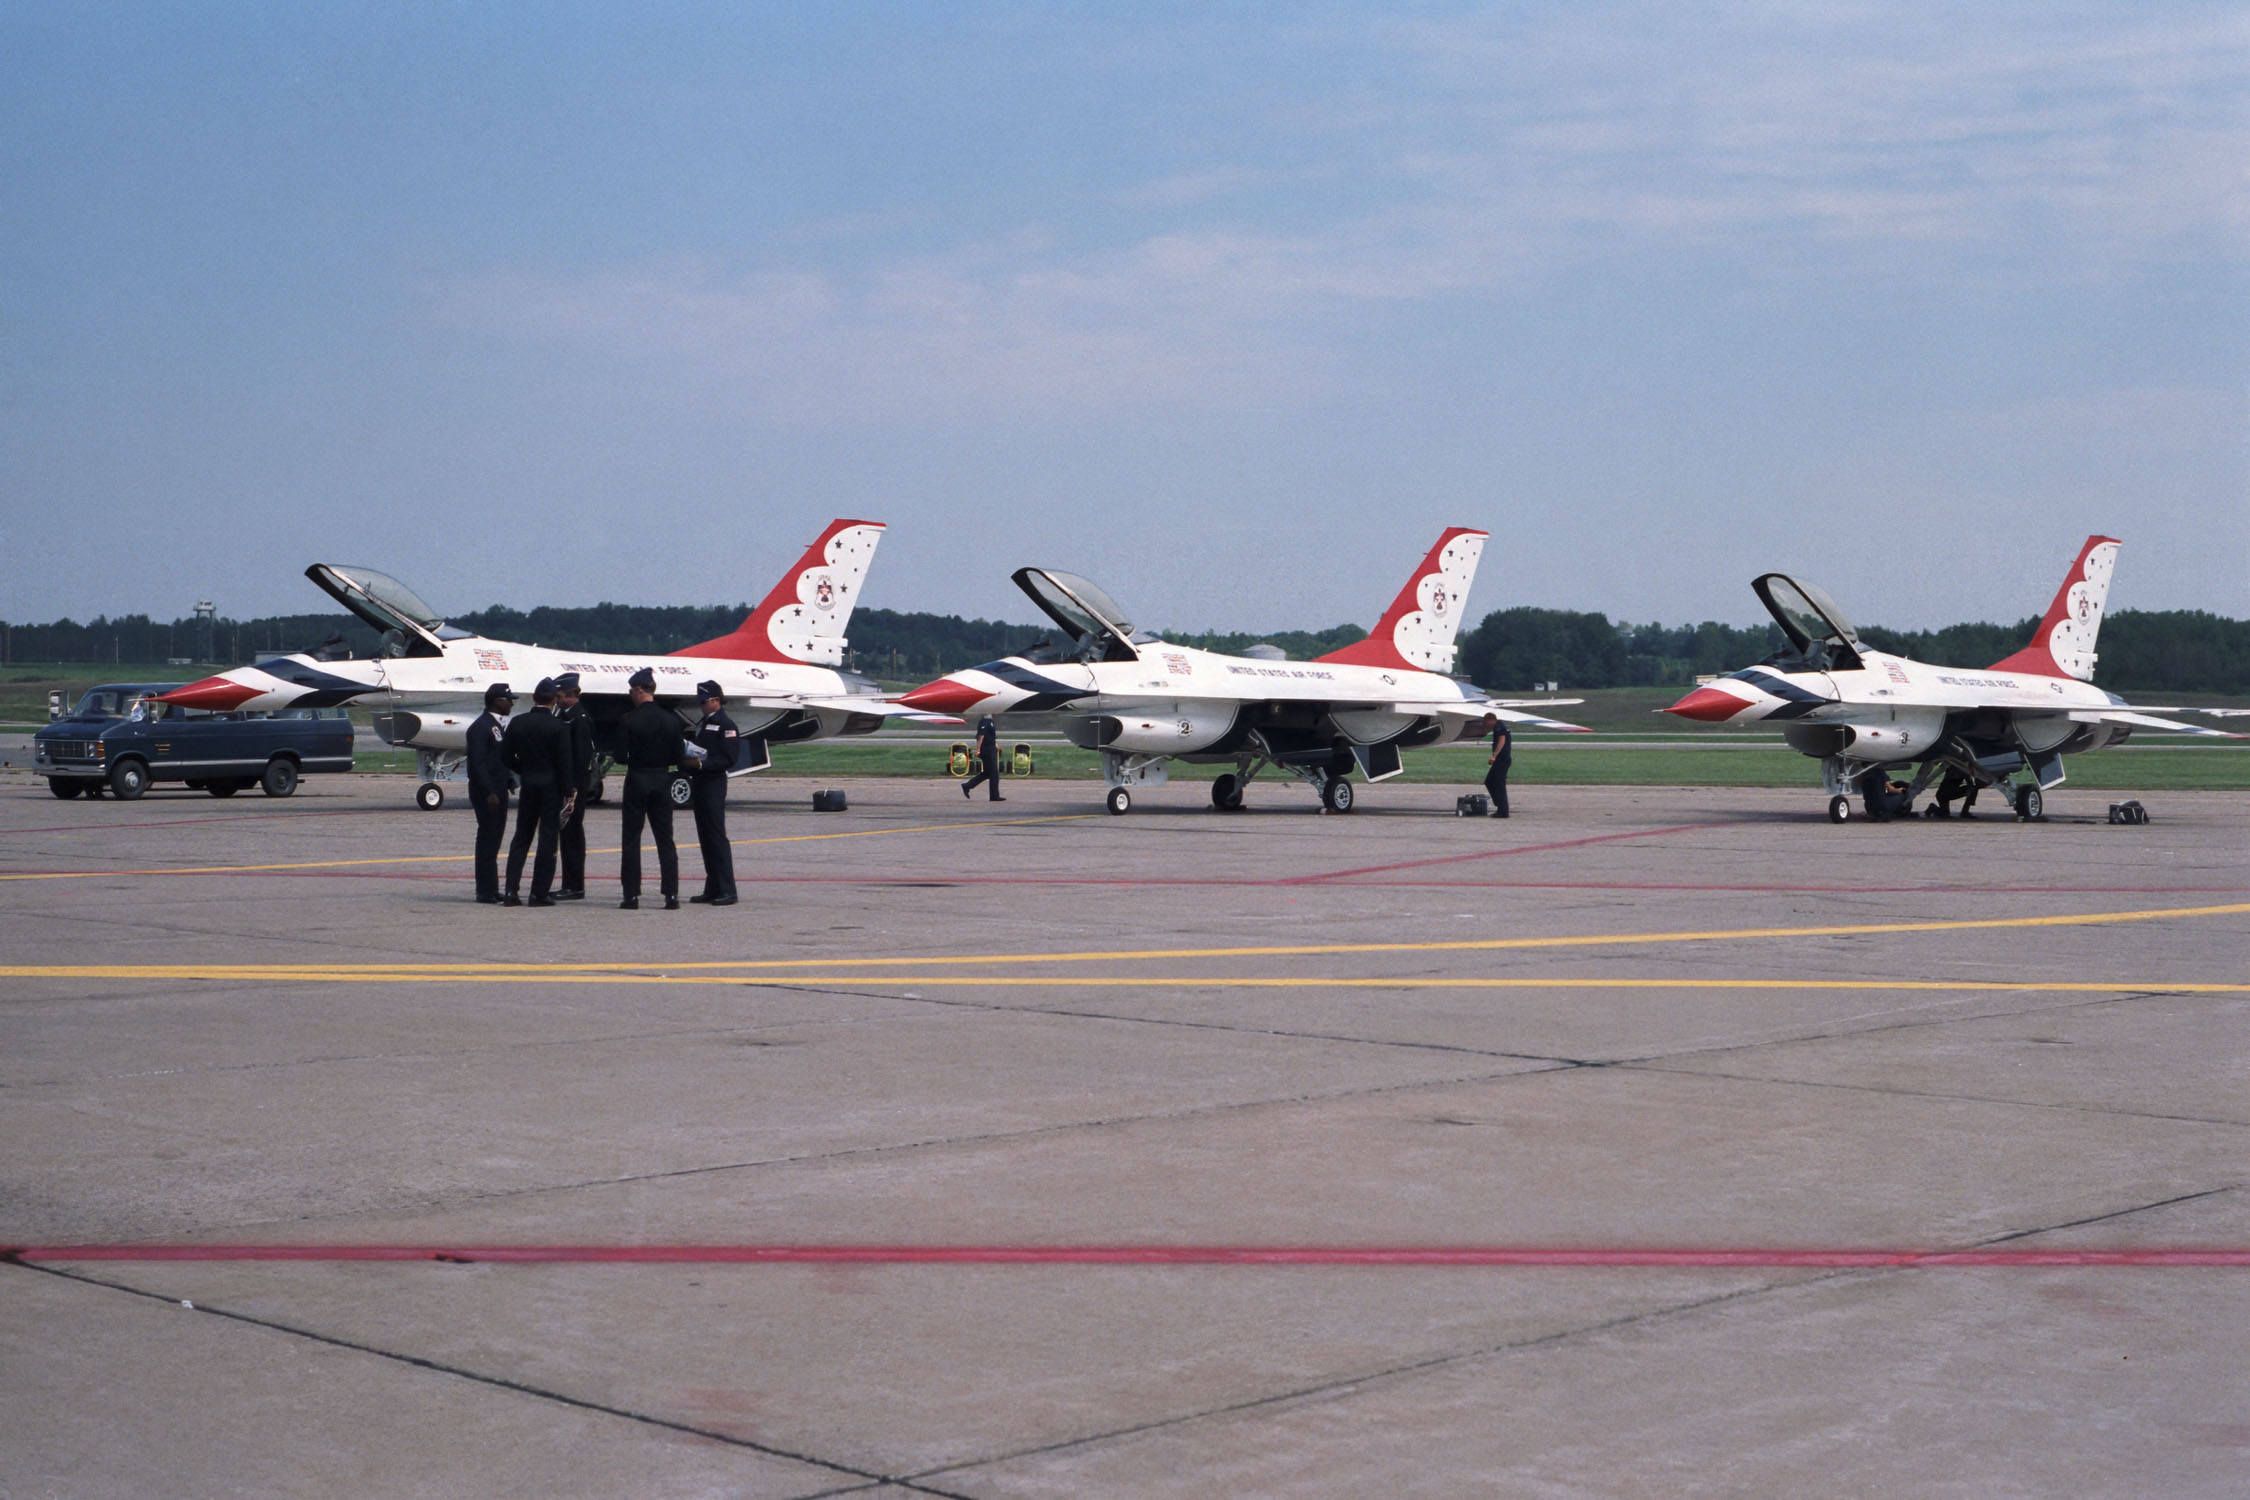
(630, 903)
(488, 900)
(540, 901)
(964, 789)
(570, 895)
(722, 900)
(701, 900)
(511, 899)
(671, 903)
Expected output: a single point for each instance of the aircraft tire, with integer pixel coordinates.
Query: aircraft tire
(2029, 804)
(1336, 795)
(1120, 801)
(280, 778)
(63, 787)
(127, 780)
(1226, 793)
(429, 796)
(1839, 809)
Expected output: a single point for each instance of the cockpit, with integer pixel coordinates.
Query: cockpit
(407, 625)
(1096, 623)
(1820, 638)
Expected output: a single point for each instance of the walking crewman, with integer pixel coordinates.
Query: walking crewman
(538, 746)
(1496, 769)
(582, 782)
(720, 743)
(988, 756)
(652, 755)
(488, 786)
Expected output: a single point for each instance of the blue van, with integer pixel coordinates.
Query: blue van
(118, 739)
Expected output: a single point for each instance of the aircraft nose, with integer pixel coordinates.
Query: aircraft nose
(218, 694)
(947, 695)
(1709, 704)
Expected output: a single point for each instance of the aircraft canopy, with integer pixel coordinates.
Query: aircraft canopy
(383, 602)
(1811, 620)
(1081, 608)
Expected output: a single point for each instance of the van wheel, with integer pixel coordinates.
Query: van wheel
(63, 787)
(280, 778)
(127, 780)
(223, 788)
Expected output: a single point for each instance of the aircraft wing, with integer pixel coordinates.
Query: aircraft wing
(2145, 721)
(1507, 710)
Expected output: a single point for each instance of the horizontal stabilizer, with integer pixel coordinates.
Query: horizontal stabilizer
(2146, 721)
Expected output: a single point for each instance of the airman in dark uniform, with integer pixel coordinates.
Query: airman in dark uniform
(988, 752)
(538, 747)
(488, 786)
(580, 723)
(1496, 768)
(652, 755)
(721, 743)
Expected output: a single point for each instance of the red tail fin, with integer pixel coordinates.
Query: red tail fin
(803, 619)
(2064, 643)
(1416, 633)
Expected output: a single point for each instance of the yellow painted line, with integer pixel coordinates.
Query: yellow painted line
(1615, 939)
(1119, 981)
(423, 859)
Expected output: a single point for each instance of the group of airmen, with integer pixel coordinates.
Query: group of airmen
(547, 757)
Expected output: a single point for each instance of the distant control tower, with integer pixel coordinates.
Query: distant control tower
(206, 625)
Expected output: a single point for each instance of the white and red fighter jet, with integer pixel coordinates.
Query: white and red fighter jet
(1142, 701)
(780, 669)
(1860, 711)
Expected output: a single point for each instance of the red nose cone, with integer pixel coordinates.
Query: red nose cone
(1708, 704)
(219, 694)
(947, 695)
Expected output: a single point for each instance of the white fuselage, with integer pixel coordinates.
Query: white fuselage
(1178, 701)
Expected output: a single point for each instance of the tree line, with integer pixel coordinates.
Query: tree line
(2192, 651)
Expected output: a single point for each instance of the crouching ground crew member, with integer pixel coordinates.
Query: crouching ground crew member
(538, 746)
(582, 782)
(1496, 769)
(488, 786)
(652, 754)
(721, 743)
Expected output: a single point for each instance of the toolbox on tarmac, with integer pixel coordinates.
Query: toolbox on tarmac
(1474, 805)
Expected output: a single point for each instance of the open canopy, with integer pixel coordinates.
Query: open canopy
(395, 610)
(1091, 617)
(1811, 620)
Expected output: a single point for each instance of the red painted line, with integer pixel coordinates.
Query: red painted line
(1451, 859)
(1155, 1255)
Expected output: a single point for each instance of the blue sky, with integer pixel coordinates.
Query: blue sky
(1229, 307)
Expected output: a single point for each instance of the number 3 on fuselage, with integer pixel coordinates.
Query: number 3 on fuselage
(1141, 701)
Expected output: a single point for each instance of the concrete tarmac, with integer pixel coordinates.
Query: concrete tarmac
(1017, 1150)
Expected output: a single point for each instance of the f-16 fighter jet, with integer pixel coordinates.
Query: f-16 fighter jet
(779, 668)
(1861, 711)
(1142, 701)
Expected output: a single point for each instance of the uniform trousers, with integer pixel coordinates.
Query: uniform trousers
(492, 831)
(711, 834)
(1496, 787)
(574, 847)
(988, 772)
(538, 810)
(648, 798)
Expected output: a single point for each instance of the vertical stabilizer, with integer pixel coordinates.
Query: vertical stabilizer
(2064, 644)
(803, 619)
(1416, 633)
